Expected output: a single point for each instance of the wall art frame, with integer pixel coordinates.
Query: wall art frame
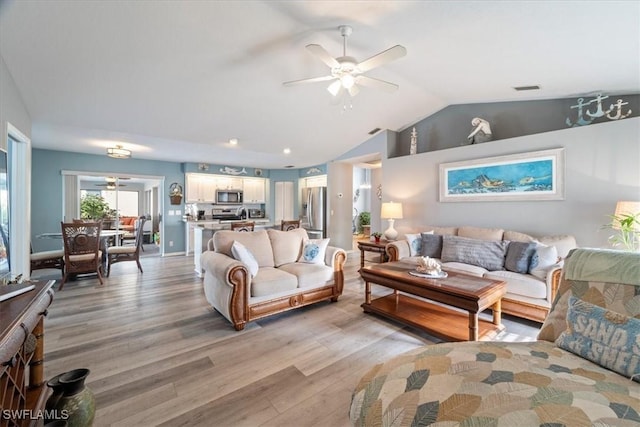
(529, 176)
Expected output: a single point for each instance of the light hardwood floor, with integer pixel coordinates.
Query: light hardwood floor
(160, 355)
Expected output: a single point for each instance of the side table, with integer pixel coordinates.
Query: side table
(372, 246)
(22, 384)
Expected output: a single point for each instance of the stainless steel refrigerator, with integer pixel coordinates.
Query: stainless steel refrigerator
(314, 212)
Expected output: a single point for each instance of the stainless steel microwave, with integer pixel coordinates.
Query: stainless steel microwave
(229, 197)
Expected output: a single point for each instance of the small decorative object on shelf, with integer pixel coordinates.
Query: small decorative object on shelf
(175, 193)
(428, 265)
(481, 131)
(414, 142)
(614, 112)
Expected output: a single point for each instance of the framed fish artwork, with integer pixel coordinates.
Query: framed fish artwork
(536, 175)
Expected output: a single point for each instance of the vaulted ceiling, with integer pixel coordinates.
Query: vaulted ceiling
(175, 80)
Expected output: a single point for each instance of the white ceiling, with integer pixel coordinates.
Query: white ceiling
(175, 80)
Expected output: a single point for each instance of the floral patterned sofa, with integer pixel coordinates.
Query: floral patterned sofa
(584, 370)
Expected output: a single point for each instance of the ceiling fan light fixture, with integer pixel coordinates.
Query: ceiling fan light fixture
(118, 152)
(347, 81)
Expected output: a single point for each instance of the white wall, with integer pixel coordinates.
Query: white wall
(602, 167)
(12, 108)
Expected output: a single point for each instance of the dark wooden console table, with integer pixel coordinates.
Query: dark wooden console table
(22, 383)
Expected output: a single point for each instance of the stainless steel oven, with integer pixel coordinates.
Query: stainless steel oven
(229, 197)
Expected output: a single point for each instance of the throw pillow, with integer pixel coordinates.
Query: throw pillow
(313, 251)
(542, 260)
(610, 339)
(431, 245)
(415, 244)
(519, 256)
(244, 255)
(483, 253)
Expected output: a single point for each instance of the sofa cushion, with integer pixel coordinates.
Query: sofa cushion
(270, 280)
(242, 254)
(286, 245)
(544, 258)
(431, 245)
(313, 251)
(309, 275)
(486, 254)
(460, 267)
(519, 256)
(520, 284)
(515, 236)
(257, 242)
(605, 337)
(481, 233)
(563, 243)
(444, 231)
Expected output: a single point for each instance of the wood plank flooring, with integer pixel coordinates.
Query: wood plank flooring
(160, 355)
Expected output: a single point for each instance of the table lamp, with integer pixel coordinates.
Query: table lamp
(391, 211)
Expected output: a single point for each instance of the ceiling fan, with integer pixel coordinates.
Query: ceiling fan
(349, 73)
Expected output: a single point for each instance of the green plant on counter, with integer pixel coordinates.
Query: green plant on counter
(93, 206)
(628, 231)
(363, 219)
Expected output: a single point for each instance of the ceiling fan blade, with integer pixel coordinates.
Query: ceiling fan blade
(323, 55)
(311, 80)
(376, 83)
(335, 88)
(382, 58)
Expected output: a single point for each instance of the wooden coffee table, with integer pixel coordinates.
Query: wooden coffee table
(457, 291)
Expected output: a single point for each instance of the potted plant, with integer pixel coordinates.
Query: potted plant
(628, 231)
(377, 235)
(93, 206)
(364, 223)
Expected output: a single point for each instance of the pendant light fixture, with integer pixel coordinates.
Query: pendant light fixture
(118, 152)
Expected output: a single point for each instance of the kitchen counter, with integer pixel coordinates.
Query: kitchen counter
(214, 224)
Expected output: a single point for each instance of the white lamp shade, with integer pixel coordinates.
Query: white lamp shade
(391, 210)
(627, 208)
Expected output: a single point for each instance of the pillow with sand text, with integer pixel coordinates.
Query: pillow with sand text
(610, 339)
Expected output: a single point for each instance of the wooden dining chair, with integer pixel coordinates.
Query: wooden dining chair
(47, 259)
(128, 252)
(289, 224)
(82, 252)
(243, 226)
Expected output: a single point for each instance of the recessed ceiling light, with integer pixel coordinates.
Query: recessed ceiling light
(286, 150)
(233, 141)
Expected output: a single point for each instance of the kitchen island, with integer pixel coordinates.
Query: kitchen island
(203, 231)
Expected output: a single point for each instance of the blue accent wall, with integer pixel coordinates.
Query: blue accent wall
(47, 184)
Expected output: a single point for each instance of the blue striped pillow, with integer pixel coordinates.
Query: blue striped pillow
(483, 253)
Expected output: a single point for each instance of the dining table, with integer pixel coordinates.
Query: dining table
(107, 238)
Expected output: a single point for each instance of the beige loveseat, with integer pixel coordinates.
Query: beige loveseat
(529, 293)
(283, 278)
(584, 370)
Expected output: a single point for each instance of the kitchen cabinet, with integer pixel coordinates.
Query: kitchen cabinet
(254, 190)
(283, 201)
(316, 181)
(227, 183)
(201, 188)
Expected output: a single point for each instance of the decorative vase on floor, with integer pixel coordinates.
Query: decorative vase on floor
(71, 400)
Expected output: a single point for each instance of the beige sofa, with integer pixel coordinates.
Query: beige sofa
(572, 376)
(282, 279)
(528, 295)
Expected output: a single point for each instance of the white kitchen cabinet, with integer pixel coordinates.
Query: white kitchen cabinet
(228, 183)
(254, 190)
(200, 188)
(316, 181)
(283, 201)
